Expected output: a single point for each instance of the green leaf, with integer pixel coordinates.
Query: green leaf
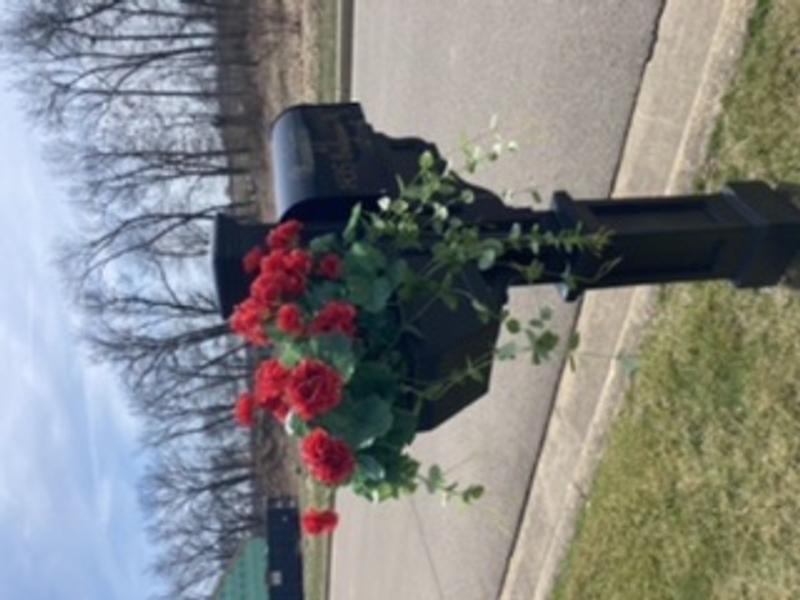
(533, 272)
(467, 196)
(472, 493)
(336, 350)
(323, 243)
(359, 422)
(366, 257)
(435, 479)
(292, 353)
(426, 160)
(403, 431)
(398, 272)
(545, 344)
(322, 292)
(473, 372)
(487, 259)
(507, 351)
(449, 299)
(351, 229)
(369, 293)
(373, 378)
(369, 468)
(574, 341)
(295, 426)
(513, 326)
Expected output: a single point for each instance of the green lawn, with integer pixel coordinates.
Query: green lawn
(316, 550)
(698, 493)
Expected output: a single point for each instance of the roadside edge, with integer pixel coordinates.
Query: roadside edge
(693, 60)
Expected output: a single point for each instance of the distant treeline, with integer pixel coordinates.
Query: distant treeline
(138, 100)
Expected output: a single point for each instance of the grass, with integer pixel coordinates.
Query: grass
(316, 550)
(327, 51)
(698, 493)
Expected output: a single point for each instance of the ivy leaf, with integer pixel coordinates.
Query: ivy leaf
(544, 345)
(435, 479)
(507, 351)
(487, 259)
(369, 467)
(490, 250)
(467, 196)
(350, 230)
(426, 160)
(472, 493)
(574, 341)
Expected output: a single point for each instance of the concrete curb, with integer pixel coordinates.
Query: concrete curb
(694, 57)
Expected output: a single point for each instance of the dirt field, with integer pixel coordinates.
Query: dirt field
(286, 58)
(283, 67)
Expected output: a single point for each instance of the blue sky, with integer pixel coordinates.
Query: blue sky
(69, 524)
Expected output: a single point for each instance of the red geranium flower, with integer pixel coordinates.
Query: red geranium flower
(252, 260)
(274, 261)
(298, 261)
(314, 388)
(335, 317)
(243, 411)
(330, 266)
(266, 288)
(290, 319)
(283, 273)
(294, 284)
(247, 321)
(270, 384)
(280, 412)
(329, 460)
(285, 235)
(318, 522)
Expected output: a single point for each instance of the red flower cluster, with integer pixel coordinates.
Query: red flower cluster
(335, 317)
(283, 274)
(316, 522)
(329, 460)
(290, 319)
(248, 321)
(285, 235)
(269, 387)
(313, 389)
(252, 260)
(243, 411)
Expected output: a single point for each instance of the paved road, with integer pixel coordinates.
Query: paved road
(562, 75)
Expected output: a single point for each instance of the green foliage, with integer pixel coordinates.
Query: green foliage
(359, 422)
(399, 261)
(336, 350)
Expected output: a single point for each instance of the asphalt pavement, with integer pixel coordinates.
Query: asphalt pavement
(563, 77)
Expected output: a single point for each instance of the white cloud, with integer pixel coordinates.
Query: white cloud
(67, 501)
